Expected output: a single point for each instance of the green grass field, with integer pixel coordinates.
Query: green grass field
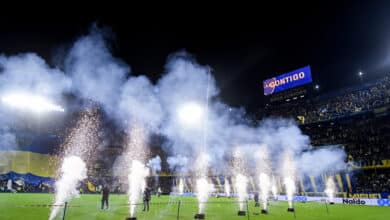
(29, 206)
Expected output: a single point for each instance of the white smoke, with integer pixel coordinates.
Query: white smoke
(138, 102)
(186, 82)
(7, 139)
(99, 76)
(178, 163)
(29, 73)
(137, 174)
(320, 161)
(95, 73)
(155, 164)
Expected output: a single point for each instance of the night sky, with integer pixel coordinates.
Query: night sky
(243, 47)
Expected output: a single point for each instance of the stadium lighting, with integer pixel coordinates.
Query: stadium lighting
(37, 104)
(317, 86)
(360, 73)
(191, 114)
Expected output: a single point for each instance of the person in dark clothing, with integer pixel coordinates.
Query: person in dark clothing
(105, 193)
(256, 198)
(146, 199)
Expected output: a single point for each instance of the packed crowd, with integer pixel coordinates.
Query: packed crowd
(327, 107)
(19, 185)
(372, 181)
(366, 139)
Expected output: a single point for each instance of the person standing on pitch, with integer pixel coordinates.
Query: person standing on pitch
(146, 199)
(105, 193)
(159, 192)
(256, 198)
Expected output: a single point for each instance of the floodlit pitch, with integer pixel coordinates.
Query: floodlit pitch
(33, 206)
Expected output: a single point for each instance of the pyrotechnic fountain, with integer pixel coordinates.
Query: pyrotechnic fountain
(241, 188)
(181, 186)
(227, 188)
(330, 190)
(290, 190)
(73, 170)
(264, 182)
(137, 174)
(78, 148)
(203, 187)
(241, 181)
(288, 180)
(137, 171)
(263, 166)
(274, 189)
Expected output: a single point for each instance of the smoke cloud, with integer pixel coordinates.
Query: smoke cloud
(138, 103)
(91, 72)
(95, 73)
(29, 73)
(321, 161)
(155, 164)
(26, 74)
(7, 139)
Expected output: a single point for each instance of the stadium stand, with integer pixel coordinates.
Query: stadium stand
(335, 105)
(377, 181)
(356, 118)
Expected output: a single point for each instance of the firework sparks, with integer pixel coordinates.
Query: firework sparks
(241, 181)
(137, 171)
(330, 189)
(77, 149)
(289, 175)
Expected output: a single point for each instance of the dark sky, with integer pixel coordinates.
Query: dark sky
(244, 47)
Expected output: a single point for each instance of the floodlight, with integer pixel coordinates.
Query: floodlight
(191, 114)
(32, 103)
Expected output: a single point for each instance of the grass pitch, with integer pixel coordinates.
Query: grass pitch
(87, 207)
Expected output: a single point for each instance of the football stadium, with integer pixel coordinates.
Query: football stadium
(90, 136)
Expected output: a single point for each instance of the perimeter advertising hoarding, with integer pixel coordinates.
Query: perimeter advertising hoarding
(288, 80)
(345, 201)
